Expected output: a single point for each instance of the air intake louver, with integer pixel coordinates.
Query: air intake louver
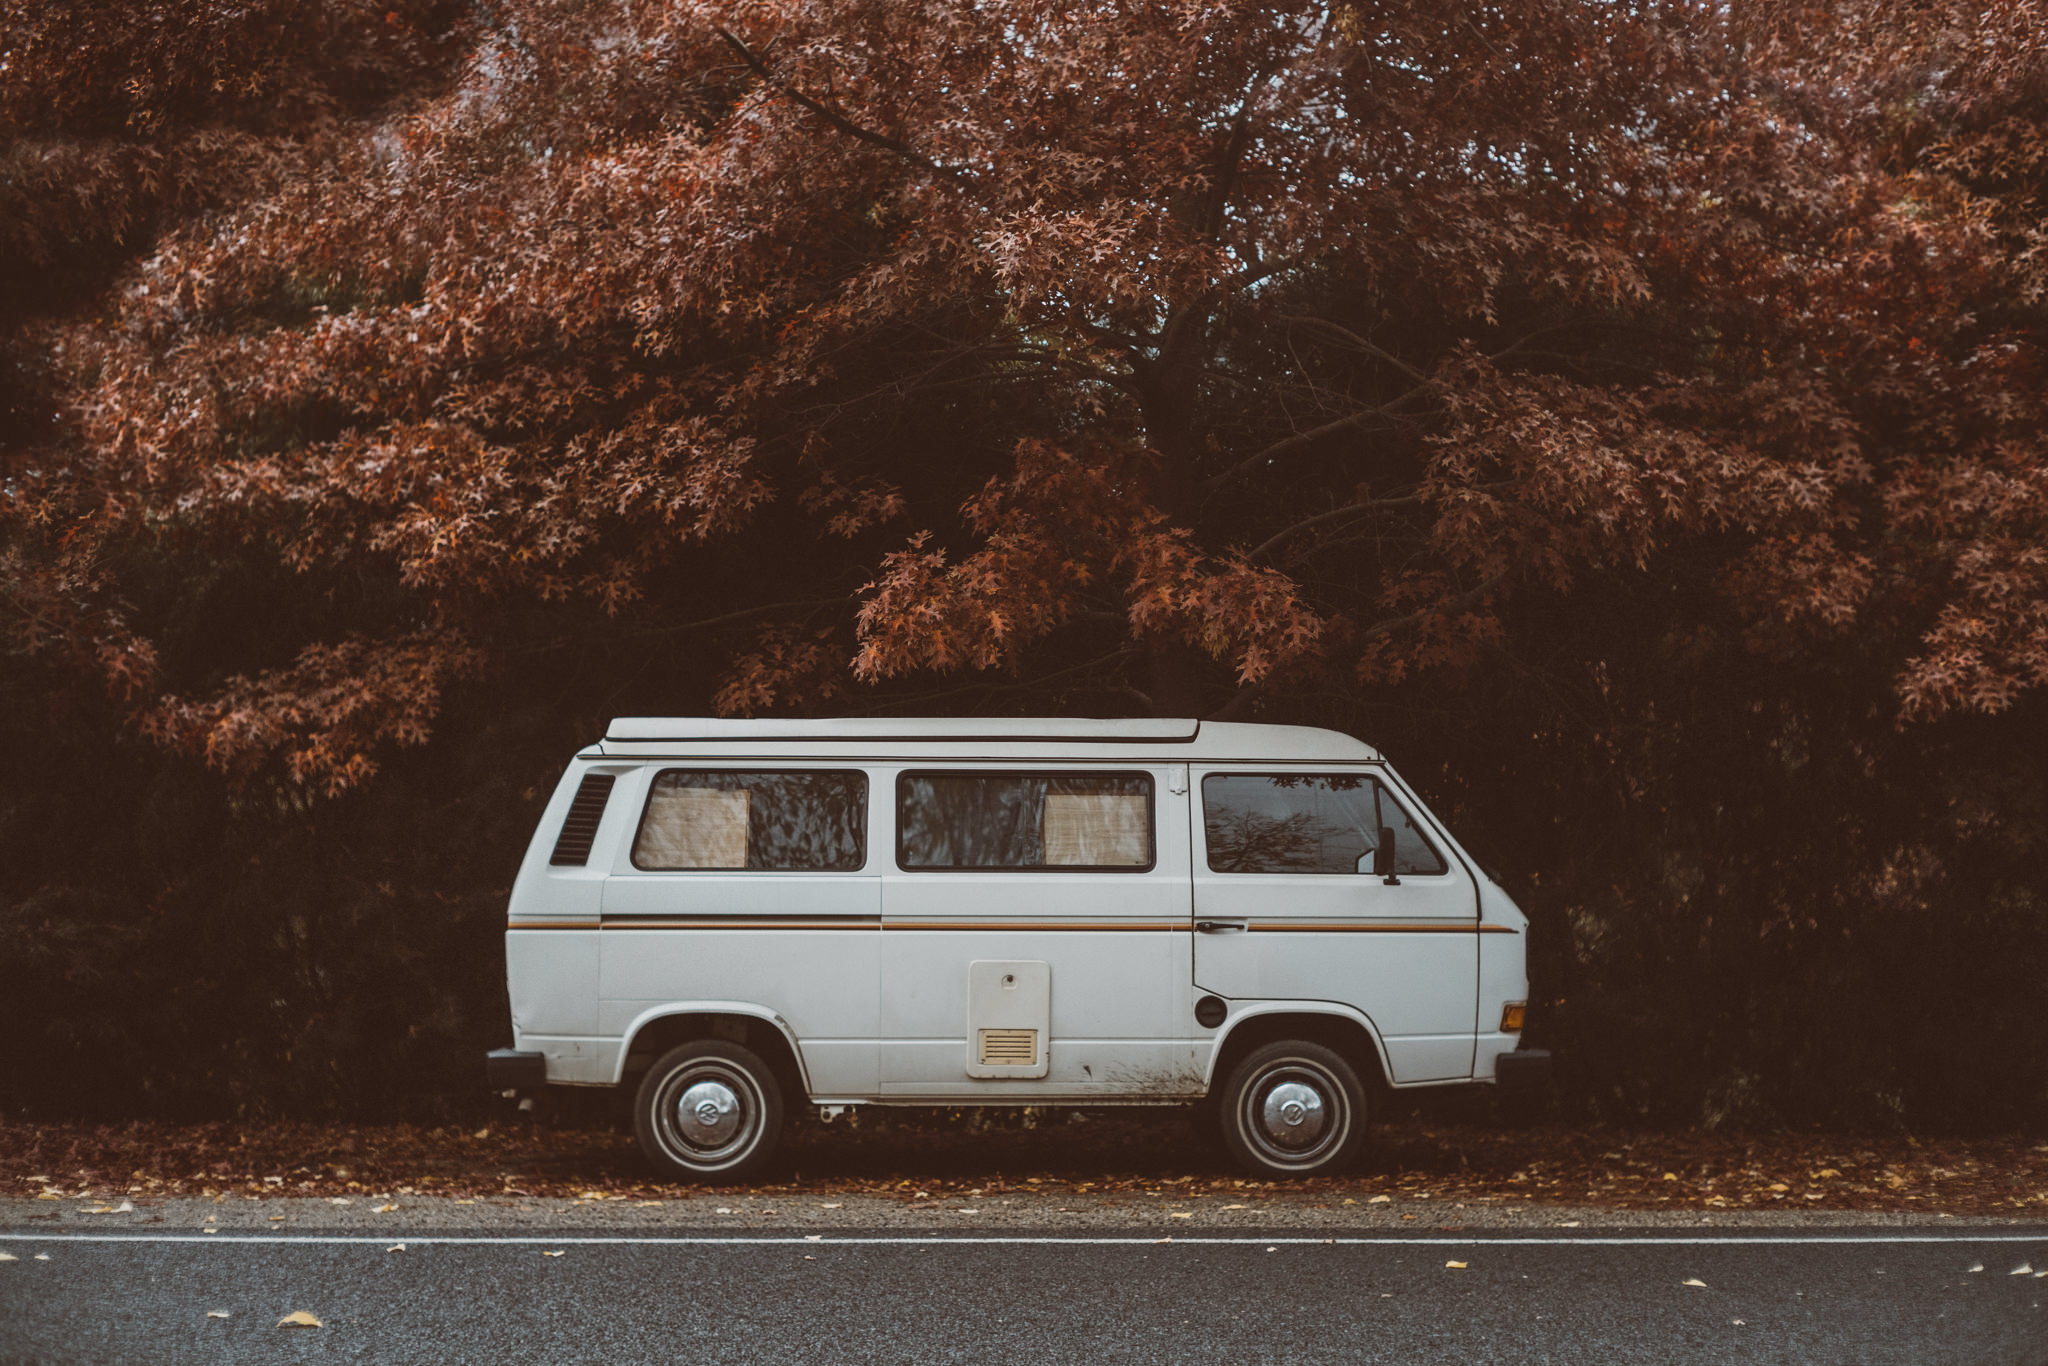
(1009, 1047)
(572, 850)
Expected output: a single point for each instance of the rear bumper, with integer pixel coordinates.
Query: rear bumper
(1525, 1069)
(507, 1069)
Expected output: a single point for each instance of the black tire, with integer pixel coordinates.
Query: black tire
(1292, 1109)
(729, 1128)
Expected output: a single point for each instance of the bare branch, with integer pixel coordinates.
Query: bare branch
(1356, 342)
(680, 628)
(828, 113)
(1301, 441)
(1274, 541)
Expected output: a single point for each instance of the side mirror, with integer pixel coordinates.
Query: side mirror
(1383, 858)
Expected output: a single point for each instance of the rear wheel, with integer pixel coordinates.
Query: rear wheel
(709, 1110)
(1292, 1109)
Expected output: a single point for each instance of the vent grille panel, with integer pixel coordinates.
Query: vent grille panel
(572, 847)
(1009, 1047)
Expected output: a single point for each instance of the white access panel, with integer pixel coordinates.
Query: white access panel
(1009, 1017)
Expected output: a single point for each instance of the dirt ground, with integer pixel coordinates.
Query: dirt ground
(915, 1155)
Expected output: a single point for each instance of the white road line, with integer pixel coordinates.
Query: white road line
(412, 1239)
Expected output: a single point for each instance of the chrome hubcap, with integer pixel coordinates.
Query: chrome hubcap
(1293, 1114)
(708, 1114)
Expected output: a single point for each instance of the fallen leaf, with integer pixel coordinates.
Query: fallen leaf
(1570, 1223)
(828, 1207)
(216, 1313)
(1454, 1266)
(1381, 1200)
(1237, 1207)
(721, 1210)
(1739, 1323)
(2023, 1269)
(809, 1258)
(385, 1208)
(42, 1256)
(551, 1254)
(1694, 1281)
(277, 1218)
(1272, 1249)
(814, 1237)
(647, 1204)
(299, 1319)
(1180, 1216)
(1978, 1267)
(396, 1247)
(8, 1257)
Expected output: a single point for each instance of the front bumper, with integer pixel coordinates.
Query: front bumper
(507, 1069)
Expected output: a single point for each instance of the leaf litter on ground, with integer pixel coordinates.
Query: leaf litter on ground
(951, 1154)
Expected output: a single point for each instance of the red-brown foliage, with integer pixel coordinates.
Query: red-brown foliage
(1634, 413)
(1319, 335)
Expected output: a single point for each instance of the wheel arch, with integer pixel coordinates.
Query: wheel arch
(660, 1028)
(1350, 1032)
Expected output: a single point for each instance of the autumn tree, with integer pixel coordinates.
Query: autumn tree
(1617, 408)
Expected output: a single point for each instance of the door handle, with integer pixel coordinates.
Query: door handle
(1221, 926)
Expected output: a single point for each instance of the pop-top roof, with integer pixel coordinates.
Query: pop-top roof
(1035, 737)
(642, 728)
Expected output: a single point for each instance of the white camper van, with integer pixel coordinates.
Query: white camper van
(735, 917)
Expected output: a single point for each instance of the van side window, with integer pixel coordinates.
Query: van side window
(1071, 821)
(799, 820)
(1307, 823)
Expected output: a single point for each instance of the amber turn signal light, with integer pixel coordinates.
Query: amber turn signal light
(1511, 1016)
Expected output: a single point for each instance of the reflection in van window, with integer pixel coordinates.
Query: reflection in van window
(793, 821)
(1306, 823)
(1024, 820)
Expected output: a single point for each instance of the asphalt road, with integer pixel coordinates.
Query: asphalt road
(1920, 1295)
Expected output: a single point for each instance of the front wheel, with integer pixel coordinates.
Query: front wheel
(709, 1109)
(1292, 1109)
